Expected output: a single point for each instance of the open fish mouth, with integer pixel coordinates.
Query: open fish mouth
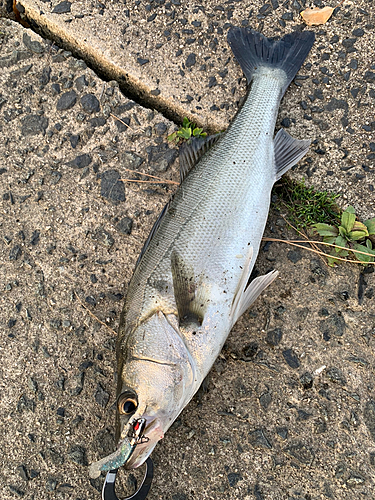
(133, 449)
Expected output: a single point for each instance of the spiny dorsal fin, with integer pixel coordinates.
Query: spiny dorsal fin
(193, 151)
(155, 227)
(188, 293)
(288, 151)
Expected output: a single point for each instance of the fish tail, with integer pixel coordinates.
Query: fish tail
(253, 51)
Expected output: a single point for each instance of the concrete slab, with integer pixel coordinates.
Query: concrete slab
(289, 410)
(174, 57)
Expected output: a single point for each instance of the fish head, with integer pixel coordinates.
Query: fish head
(155, 382)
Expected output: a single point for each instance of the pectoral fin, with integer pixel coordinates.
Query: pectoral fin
(190, 295)
(288, 151)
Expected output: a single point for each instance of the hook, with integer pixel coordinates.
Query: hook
(108, 492)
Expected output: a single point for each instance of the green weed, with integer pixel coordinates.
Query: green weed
(350, 236)
(305, 205)
(188, 130)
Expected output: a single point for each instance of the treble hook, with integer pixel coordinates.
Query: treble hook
(108, 492)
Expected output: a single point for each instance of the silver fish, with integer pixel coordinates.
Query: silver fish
(190, 285)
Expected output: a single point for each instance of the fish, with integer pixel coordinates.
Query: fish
(191, 281)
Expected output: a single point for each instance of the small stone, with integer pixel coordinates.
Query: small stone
(294, 256)
(90, 103)
(161, 157)
(66, 101)
(74, 139)
(335, 325)
(355, 480)
(335, 375)
(33, 125)
(104, 237)
(22, 471)
(286, 122)
(11, 322)
(191, 60)
(25, 404)
(358, 32)
(257, 438)
(91, 300)
(124, 226)
(80, 161)
(51, 484)
(112, 187)
(291, 358)
(306, 380)
(77, 454)
(282, 432)
(287, 16)
(212, 82)
(304, 454)
(35, 238)
(81, 82)
(101, 396)
(17, 491)
(45, 76)
(265, 400)
(160, 128)
(15, 253)
(233, 478)
(62, 8)
(32, 45)
(142, 61)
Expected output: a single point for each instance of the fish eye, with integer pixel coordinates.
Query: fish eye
(127, 404)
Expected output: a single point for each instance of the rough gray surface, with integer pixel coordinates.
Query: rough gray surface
(174, 55)
(289, 408)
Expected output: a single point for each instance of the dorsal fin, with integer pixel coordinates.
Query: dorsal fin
(193, 151)
(155, 227)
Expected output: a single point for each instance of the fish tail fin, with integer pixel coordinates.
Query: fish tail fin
(253, 50)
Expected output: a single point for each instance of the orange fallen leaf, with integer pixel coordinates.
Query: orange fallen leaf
(317, 15)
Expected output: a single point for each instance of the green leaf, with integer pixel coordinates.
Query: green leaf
(172, 137)
(369, 244)
(350, 210)
(185, 122)
(197, 131)
(341, 242)
(332, 261)
(329, 239)
(370, 224)
(357, 235)
(343, 232)
(361, 257)
(204, 134)
(348, 220)
(325, 229)
(185, 133)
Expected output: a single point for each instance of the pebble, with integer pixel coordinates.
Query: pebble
(161, 157)
(62, 8)
(124, 226)
(66, 101)
(291, 358)
(112, 188)
(334, 325)
(77, 454)
(294, 256)
(258, 438)
(233, 478)
(22, 471)
(190, 60)
(90, 103)
(16, 491)
(34, 125)
(303, 453)
(335, 375)
(306, 380)
(80, 161)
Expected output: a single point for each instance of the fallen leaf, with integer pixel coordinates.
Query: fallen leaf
(317, 15)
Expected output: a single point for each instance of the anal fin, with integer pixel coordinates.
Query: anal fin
(288, 151)
(245, 296)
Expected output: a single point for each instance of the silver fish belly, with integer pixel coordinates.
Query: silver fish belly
(190, 285)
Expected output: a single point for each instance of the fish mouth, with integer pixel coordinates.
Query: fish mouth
(152, 433)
